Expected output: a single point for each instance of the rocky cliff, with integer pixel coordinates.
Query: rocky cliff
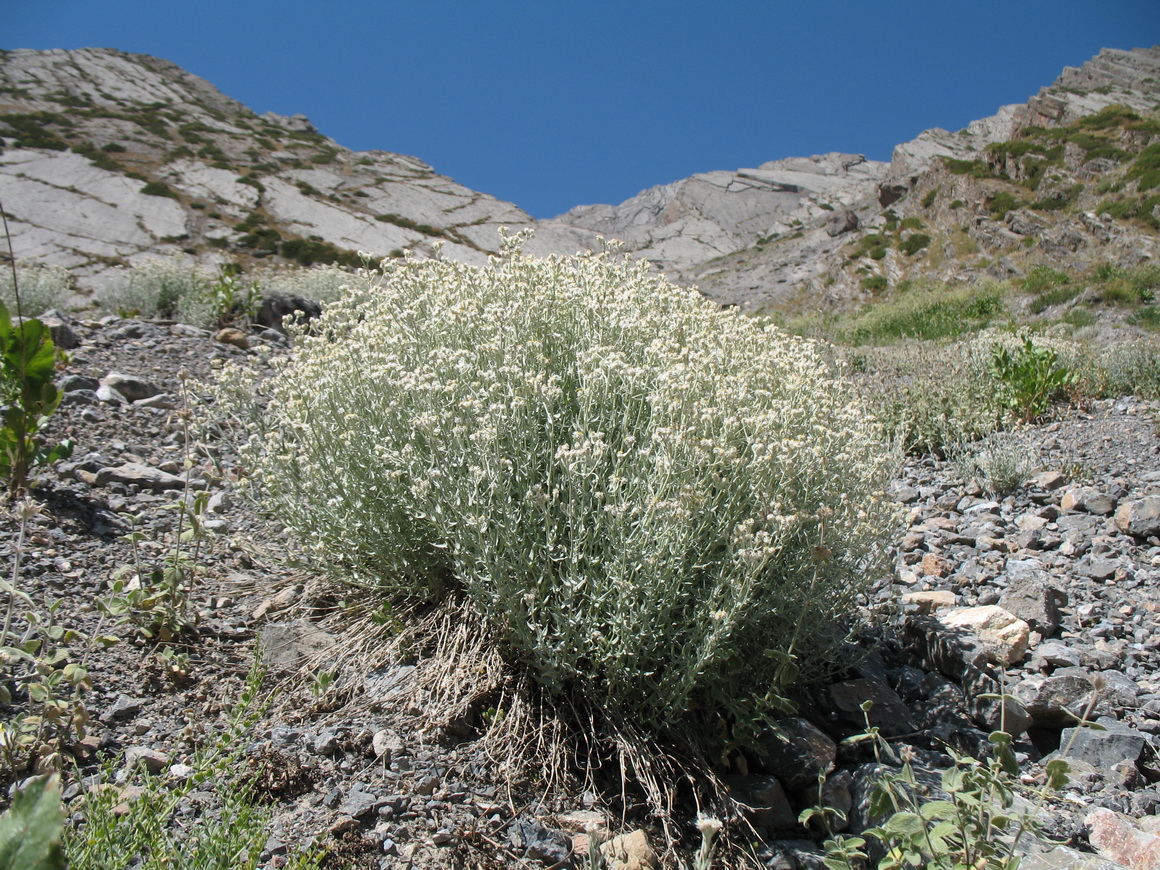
(109, 157)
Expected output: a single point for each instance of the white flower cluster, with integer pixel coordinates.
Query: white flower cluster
(644, 492)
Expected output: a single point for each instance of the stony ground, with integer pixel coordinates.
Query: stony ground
(1044, 594)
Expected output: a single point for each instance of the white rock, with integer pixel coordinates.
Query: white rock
(1005, 635)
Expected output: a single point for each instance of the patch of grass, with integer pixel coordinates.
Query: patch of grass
(875, 283)
(1147, 317)
(309, 252)
(1042, 278)
(1145, 169)
(1127, 287)
(1001, 203)
(1055, 296)
(158, 188)
(973, 168)
(931, 196)
(32, 130)
(927, 313)
(1080, 316)
(914, 243)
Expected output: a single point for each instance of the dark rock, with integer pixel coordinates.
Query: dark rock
(1054, 700)
(358, 804)
(1140, 517)
(1031, 597)
(135, 474)
(991, 707)
(130, 386)
(949, 651)
(532, 840)
(277, 306)
(764, 801)
(125, 708)
(70, 382)
(1103, 749)
(797, 753)
(887, 712)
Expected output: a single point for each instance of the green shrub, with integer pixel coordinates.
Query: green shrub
(973, 168)
(659, 505)
(1030, 377)
(158, 188)
(931, 196)
(308, 252)
(1003, 202)
(1042, 278)
(875, 283)
(911, 223)
(914, 243)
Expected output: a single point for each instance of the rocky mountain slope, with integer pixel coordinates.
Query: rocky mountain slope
(1060, 180)
(1048, 592)
(108, 157)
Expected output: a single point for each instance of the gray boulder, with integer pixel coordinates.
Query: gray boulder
(277, 306)
(841, 222)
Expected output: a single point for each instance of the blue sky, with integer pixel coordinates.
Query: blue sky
(552, 104)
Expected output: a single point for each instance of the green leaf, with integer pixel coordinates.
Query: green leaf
(30, 829)
(1057, 771)
(937, 810)
(905, 824)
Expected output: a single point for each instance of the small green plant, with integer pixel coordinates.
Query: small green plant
(1030, 377)
(39, 676)
(28, 394)
(30, 829)
(931, 196)
(974, 823)
(231, 298)
(156, 597)
(148, 831)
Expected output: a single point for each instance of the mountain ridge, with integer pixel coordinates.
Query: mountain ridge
(110, 157)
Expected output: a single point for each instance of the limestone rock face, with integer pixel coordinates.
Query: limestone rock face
(204, 164)
(140, 158)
